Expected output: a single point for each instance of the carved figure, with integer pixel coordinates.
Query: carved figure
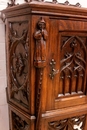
(40, 35)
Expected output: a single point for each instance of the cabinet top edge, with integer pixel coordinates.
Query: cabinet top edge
(46, 7)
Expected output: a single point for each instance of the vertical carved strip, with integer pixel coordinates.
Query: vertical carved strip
(40, 37)
(71, 84)
(64, 83)
(39, 74)
(84, 83)
(78, 82)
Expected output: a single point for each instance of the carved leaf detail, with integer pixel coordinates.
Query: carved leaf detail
(73, 123)
(19, 123)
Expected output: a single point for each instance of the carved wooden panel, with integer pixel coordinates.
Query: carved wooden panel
(72, 65)
(74, 123)
(18, 62)
(71, 79)
(19, 123)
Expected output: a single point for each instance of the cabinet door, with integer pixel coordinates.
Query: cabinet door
(72, 70)
(68, 57)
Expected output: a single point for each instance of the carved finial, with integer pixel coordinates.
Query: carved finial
(12, 3)
(78, 5)
(54, 1)
(66, 2)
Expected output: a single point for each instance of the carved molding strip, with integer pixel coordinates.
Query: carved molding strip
(74, 123)
(39, 73)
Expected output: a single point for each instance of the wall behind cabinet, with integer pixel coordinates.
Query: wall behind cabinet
(4, 121)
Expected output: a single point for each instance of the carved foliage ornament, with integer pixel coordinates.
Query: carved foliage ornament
(19, 123)
(74, 123)
(18, 46)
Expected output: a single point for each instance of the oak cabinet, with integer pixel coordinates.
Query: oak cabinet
(46, 50)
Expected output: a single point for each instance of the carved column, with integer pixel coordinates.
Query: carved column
(40, 37)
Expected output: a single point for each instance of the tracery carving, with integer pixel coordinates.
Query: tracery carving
(18, 46)
(73, 65)
(19, 123)
(74, 123)
(40, 43)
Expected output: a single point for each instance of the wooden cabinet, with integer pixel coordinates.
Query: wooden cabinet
(46, 49)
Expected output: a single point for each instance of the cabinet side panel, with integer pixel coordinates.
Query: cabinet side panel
(18, 61)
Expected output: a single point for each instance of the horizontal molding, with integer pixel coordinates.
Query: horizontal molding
(66, 112)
